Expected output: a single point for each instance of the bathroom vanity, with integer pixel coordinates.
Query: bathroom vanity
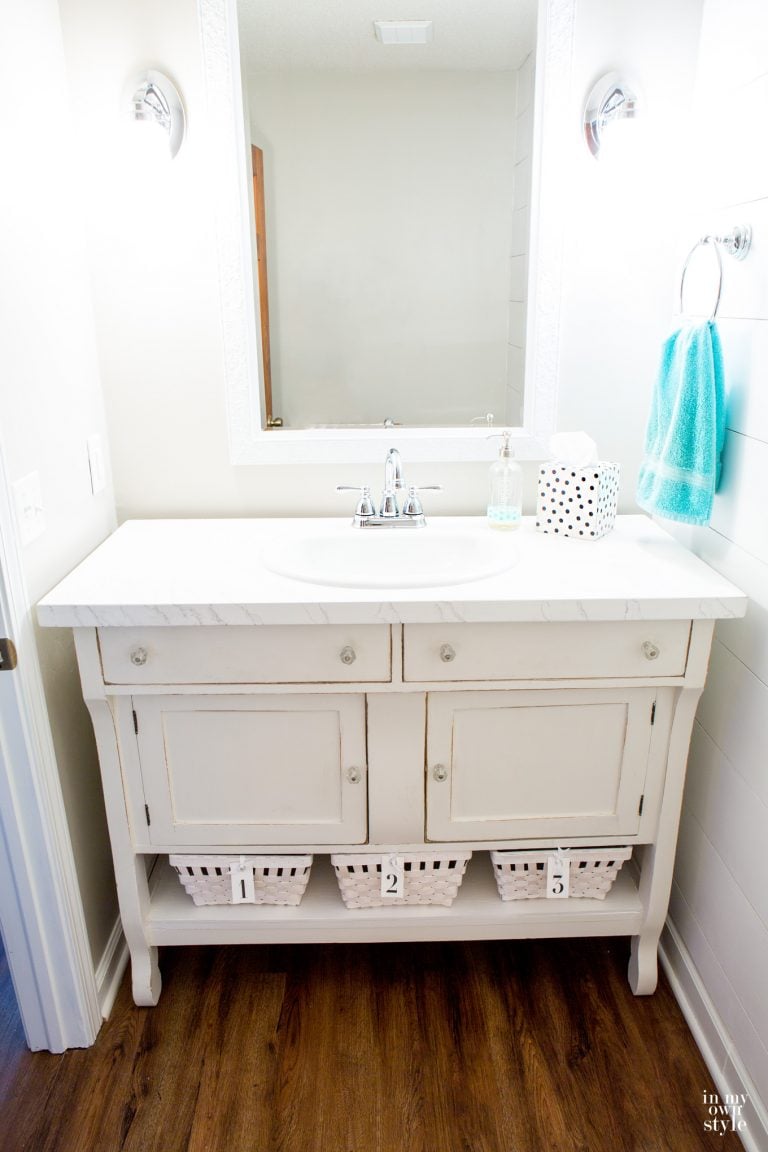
(543, 695)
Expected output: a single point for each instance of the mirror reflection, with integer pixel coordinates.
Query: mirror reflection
(391, 189)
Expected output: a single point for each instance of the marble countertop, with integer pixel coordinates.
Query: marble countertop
(181, 572)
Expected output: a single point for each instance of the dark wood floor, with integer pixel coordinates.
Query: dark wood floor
(504, 1047)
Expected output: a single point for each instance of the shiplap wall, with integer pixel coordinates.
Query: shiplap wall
(720, 897)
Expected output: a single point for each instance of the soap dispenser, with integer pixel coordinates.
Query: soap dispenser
(505, 499)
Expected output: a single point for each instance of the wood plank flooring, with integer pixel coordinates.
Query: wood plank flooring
(524, 1046)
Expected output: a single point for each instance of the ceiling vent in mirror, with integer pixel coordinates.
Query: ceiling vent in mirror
(403, 31)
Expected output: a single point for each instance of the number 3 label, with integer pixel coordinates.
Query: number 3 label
(392, 877)
(558, 878)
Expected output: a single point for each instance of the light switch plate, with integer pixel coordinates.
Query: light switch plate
(28, 499)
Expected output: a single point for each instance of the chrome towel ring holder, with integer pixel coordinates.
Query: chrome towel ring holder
(736, 243)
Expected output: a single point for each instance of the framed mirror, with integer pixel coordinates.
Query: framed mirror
(403, 320)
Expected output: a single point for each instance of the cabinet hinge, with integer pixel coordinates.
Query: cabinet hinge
(146, 813)
(653, 713)
(136, 722)
(639, 807)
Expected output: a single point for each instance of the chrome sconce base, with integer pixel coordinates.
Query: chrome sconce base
(611, 99)
(154, 99)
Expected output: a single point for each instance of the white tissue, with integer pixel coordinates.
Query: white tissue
(575, 448)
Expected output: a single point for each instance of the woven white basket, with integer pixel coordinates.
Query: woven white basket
(276, 879)
(429, 878)
(523, 875)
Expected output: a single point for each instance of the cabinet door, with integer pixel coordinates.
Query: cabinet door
(506, 765)
(253, 769)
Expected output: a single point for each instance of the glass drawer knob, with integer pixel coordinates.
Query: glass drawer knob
(650, 651)
(440, 773)
(447, 653)
(347, 655)
(354, 775)
(138, 656)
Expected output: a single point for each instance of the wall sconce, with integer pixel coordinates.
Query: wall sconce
(154, 100)
(611, 100)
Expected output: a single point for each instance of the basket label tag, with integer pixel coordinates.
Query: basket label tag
(243, 887)
(558, 877)
(392, 877)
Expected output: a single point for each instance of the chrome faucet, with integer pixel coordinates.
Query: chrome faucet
(390, 515)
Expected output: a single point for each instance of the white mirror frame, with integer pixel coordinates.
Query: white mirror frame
(249, 442)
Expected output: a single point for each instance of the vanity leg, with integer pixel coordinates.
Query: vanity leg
(133, 896)
(643, 972)
(145, 977)
(657, 860)
(131, 868)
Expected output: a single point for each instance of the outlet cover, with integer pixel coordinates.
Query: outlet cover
(30, 514)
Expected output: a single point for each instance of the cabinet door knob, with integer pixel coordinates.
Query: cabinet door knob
(440, 773)
(138, 656)
(650, 650)
(447, 653)
(347, 654)
(354, 775)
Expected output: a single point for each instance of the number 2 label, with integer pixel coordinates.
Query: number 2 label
(392, 877)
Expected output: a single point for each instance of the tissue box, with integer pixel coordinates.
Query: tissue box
(577, 501)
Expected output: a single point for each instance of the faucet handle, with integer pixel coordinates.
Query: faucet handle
(365, 506)
(412, 505)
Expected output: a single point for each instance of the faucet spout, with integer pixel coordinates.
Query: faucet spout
(393, 472)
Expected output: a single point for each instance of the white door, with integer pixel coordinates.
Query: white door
(565, 763)
(41, 917)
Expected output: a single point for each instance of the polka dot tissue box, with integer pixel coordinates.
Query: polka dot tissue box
(577, 500)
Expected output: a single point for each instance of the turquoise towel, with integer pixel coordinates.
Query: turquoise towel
(686, 428)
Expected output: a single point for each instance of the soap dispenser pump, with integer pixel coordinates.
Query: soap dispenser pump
(505, 499)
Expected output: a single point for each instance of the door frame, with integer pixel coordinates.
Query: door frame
(41, 913)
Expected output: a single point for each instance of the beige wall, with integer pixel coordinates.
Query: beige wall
(51, 401)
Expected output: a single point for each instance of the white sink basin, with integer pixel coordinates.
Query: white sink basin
(392, 557)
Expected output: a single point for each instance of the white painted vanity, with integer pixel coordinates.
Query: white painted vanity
(238, 711)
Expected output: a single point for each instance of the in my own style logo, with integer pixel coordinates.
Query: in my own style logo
(724, 1115)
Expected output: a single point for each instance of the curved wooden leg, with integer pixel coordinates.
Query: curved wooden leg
(643, 972)
(145, 977)
(130, 867)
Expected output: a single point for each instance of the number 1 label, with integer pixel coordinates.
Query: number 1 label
(243, 886)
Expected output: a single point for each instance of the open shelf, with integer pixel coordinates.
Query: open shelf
(477, 913)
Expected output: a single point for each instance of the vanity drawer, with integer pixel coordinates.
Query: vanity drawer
(240, 654)
(543, 651)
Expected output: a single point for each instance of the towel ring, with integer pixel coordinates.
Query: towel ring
(736, 244)
(704, 240)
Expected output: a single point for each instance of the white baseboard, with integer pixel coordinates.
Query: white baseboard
(110, 969)
(727, 1071)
